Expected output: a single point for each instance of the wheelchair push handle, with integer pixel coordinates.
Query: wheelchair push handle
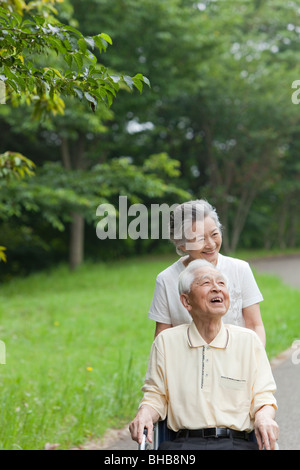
(143, 445)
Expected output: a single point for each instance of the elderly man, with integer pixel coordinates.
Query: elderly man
(212, 381)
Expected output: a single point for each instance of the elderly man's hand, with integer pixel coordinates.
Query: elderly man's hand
(266, 429)
(145, 418)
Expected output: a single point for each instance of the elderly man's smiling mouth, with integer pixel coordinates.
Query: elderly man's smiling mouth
(217, 300)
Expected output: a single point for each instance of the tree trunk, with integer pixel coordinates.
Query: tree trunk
(65, 154)
(76, 241)
(75, 161)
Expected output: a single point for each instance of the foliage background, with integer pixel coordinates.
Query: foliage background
(219, 105)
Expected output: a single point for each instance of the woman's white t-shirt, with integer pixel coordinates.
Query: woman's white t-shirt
(167, 308)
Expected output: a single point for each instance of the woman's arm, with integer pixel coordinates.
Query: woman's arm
(254, 322)
(161, 327)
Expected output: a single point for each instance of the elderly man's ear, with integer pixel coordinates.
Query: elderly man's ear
(185, 301)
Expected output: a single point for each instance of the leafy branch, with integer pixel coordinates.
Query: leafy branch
(14, 165)
(81, 75)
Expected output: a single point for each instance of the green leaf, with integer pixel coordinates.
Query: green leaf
(68, 58)
(100, 43)
(78, 92)
(90, 98)
(129, 81)
(90, 42)
(115, 78)
(14, 86)
(72, 30)
(146, 80)
(40, 20)
(89, 55)
(101, 94)
(15, 19)
(110, 99)
(106, 38)
(82, 44)
(2, 254)
(3, 14)
(138, 84)
(78, 59)
(141, 78)
(58, 45)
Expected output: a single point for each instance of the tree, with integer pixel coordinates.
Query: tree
(77, 132)
(247, 123)
(82, 76)
(220, 103)
(81, 192)
(221, 75)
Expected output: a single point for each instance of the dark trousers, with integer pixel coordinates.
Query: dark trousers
(208, 443)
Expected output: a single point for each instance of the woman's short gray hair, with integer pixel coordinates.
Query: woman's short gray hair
(183, 217)
(187, 277)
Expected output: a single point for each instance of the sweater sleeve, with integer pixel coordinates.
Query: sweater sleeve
(155, 389)
(250, 291)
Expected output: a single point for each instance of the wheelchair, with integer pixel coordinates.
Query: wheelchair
(161, 433)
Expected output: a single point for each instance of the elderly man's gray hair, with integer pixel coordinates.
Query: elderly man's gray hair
(187, 277)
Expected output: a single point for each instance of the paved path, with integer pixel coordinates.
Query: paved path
(286, 267)
(286, 368)
(286, 373)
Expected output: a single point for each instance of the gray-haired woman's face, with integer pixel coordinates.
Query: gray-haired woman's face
(204, 241)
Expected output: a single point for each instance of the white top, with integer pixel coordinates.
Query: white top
(167, 308)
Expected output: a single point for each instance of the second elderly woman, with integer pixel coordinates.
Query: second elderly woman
(196, 232)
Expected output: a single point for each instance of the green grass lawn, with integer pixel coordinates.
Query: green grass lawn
(78, 344)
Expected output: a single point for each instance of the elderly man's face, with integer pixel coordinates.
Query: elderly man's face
(208, 294)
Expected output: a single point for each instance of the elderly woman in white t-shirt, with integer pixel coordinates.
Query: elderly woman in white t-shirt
(196, 233)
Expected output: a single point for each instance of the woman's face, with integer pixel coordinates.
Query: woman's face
(204, 241)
